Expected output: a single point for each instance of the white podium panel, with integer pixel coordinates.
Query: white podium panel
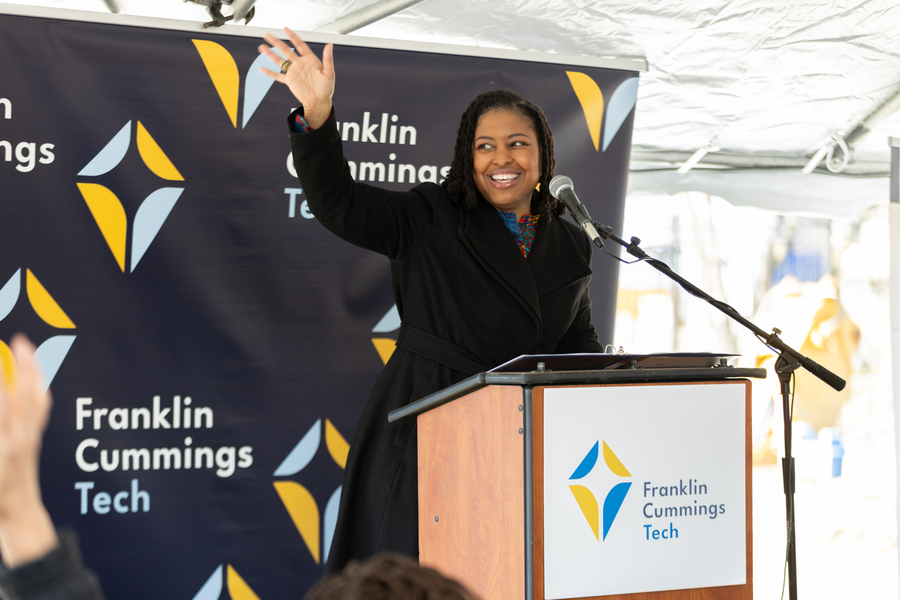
(644, 489)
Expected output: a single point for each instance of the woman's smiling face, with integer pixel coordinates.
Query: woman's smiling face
(506, 160)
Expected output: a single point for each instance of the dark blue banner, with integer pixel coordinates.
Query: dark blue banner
(209, 344)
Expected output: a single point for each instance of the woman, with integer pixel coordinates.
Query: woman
(483, 270)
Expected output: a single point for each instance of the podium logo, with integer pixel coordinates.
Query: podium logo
(237, 587)
(223, 72)
(585, 498)
(51, 353)
(106, 207)
(389, 323)
(590, 96)
(298, 501)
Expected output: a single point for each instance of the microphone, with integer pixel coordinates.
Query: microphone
(562, 188)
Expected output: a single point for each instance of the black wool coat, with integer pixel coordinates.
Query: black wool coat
(468, 301)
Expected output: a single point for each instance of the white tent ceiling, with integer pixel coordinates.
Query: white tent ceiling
(767, 82)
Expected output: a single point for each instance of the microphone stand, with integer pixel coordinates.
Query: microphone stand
(788, 361)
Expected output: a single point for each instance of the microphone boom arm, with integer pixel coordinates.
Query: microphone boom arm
(771, 340)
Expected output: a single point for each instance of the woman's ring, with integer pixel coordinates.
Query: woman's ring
(285, 66)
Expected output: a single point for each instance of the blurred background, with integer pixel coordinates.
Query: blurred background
(824, 283)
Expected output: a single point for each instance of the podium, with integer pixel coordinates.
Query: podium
(630, 482)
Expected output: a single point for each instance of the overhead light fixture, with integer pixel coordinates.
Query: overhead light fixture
(240, 10)
(114, 6)
(697, 156)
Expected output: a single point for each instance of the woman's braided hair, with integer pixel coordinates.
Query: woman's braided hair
(460, 182)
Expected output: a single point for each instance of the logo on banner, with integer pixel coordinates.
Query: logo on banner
(237, 587)
(586, 499)
(596, 111)
(51, 353)
(389, 323)
(106, 207)
(298, 501)
(227, 79)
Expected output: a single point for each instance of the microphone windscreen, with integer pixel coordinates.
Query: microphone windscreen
(558, 184)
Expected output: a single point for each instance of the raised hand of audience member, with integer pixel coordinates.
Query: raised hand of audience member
(26, 530)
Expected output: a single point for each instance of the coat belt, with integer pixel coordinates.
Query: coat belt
(423, 343)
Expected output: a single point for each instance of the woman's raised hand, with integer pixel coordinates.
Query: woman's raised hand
(309, 79)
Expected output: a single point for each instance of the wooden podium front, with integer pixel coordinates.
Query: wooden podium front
(481, 469)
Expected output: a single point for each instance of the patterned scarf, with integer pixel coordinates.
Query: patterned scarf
(523, 231)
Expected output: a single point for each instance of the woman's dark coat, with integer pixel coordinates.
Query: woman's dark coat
(468, 301)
